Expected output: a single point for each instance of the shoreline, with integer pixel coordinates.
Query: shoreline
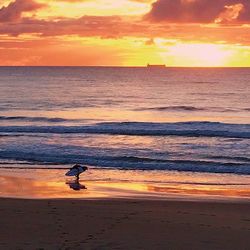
(233, 201)
(124, 185)
(123, 224)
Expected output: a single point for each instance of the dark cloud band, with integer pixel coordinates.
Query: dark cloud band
(199, 11)
(14, 10)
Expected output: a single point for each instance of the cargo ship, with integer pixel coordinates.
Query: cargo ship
(156, 66)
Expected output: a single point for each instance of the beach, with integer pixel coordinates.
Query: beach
(167, 152)
(123, 224)
(124, 125)
(43, 209)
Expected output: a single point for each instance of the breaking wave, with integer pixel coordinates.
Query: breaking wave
(172, 108)
(187, 129)
(191, 109)
(36, 119)
(128, 162)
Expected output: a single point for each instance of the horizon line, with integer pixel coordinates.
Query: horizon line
(117, 66)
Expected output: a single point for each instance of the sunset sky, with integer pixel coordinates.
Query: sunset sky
(125, 32)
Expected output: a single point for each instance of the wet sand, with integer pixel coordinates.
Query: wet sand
(123, 224)
(99, 184)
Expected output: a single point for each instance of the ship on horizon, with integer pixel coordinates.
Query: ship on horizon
(156, 66)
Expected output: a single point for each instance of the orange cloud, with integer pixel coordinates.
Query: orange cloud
(56, 34)
(230, 13)
(14, 10)
(178, 22)
(118, 27)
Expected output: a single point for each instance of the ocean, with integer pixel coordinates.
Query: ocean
(158, 122)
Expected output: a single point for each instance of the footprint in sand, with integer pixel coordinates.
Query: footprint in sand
(245, 220)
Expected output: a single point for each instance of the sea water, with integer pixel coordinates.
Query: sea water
(156, 121)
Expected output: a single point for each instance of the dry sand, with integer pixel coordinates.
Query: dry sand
(123, 224)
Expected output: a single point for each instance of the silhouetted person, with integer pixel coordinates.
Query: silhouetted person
(79, 169)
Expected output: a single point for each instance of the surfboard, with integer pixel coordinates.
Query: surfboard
(74, 172)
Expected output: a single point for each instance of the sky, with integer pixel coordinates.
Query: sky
(185, 33)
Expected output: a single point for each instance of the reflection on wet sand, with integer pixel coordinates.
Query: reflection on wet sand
(75, 185)
(12, 186)
(198, 190)
(52, 184)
